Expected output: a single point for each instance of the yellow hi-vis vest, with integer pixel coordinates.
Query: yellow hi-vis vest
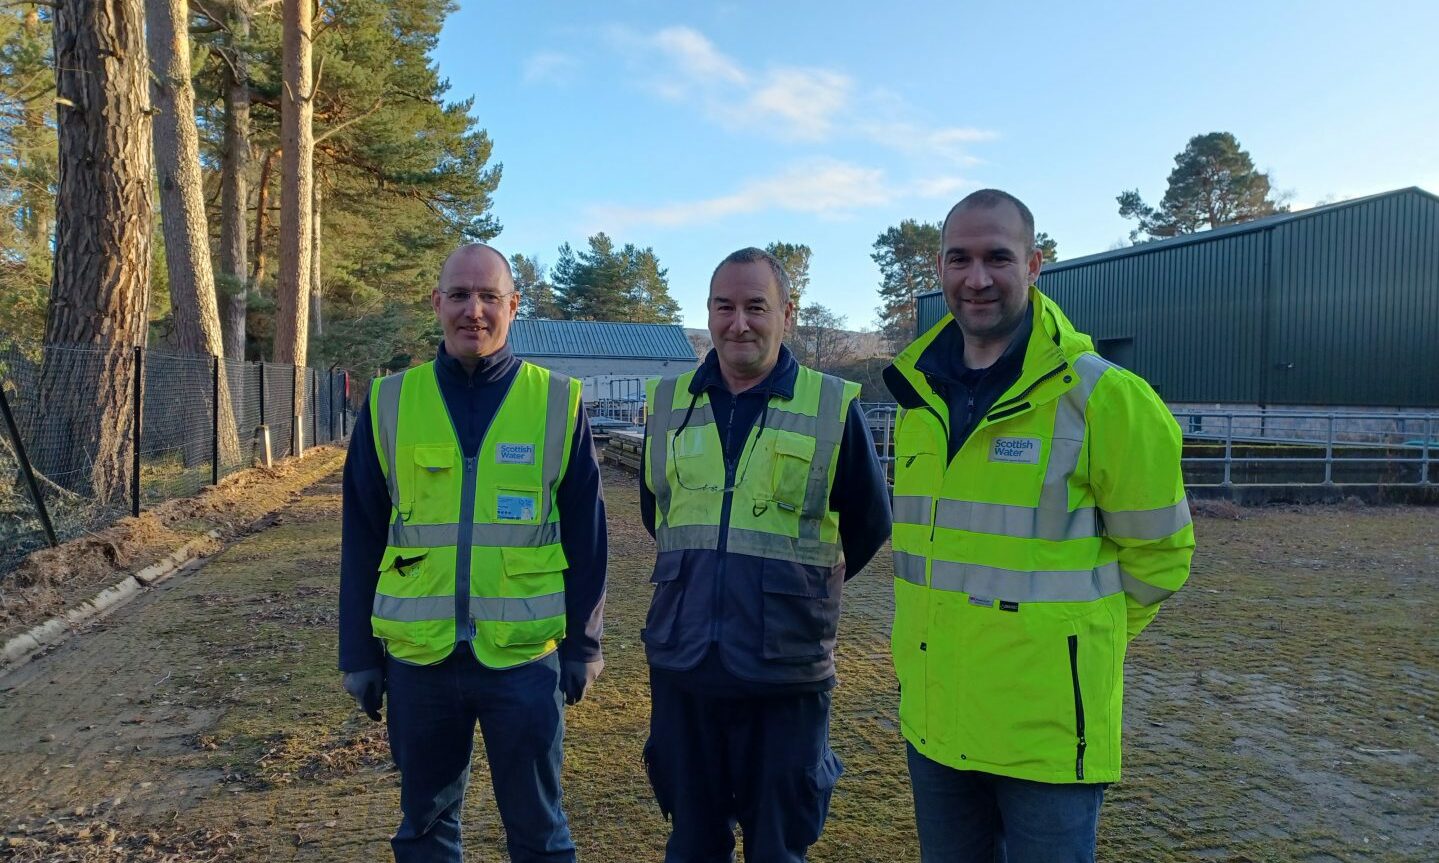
(780, 508)
(1024, 564)
(474, 543)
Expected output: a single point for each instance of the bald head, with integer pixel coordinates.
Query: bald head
(477, 256)
(989, 199)
(475, 302)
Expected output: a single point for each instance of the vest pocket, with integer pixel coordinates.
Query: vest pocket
(793, 454)
(535, 574)
(801, 617)
(435, 497)
(659, 628)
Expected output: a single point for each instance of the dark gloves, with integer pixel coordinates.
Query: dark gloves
(368, 689)
(576, 677)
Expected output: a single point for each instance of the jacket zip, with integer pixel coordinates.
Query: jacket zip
(999, 408)
(725, 507)
(1078, 708)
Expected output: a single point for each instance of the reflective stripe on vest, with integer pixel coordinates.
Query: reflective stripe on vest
(440, 535)
(493, 577)
(826, 428)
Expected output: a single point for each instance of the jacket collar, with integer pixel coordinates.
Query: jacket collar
(779, 382)
(1053, 341)
(491, 369)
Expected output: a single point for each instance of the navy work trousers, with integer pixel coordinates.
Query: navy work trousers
(763, 762)
(432, 714)
(965, 816)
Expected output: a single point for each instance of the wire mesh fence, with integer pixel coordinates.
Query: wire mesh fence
(98, 432)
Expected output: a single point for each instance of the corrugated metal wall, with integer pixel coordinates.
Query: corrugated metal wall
(1355, 306)
(1340, 307)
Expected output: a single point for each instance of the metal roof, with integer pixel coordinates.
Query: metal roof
(1231, 230)
(539, 337)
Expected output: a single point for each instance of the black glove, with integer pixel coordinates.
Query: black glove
(576, 677)
(368, 689)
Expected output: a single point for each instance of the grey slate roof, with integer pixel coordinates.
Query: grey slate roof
(537, 337)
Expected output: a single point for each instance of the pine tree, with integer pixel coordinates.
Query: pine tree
(907, 256)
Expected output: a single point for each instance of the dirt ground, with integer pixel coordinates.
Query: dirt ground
(1282, 708)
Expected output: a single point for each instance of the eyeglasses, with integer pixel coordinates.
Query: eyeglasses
(488, 298)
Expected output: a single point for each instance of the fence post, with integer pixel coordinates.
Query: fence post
(1424, 465)
(262, 392)
(313, 400)
(1329, 454)
(1228, 450)
(215, 420)
(345, 405)
(297, 426)
(138, 411)
(28, 471)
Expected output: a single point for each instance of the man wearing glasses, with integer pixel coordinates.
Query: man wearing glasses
(764, 494)
(472, 573)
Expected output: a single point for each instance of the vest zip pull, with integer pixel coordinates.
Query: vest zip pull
(464, 626)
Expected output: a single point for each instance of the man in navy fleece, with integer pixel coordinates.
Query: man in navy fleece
(497, 665)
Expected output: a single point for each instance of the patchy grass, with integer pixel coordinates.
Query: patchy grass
(1280, 709)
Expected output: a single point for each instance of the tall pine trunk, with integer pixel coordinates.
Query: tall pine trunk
(262, 219)
(235, 185)
(317, 317)
(182, 207)
(100, 291)
(296, 192)
(292, 288)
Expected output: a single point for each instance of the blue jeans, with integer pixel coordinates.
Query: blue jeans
(965, 815)
(432, 714)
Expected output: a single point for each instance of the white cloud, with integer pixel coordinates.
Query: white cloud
(803, 100)
(682, 65)
(827, 188)
(549, 66)
(948, 143)
(697, 57)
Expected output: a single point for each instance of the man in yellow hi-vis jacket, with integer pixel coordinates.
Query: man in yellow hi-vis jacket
(1039, 521)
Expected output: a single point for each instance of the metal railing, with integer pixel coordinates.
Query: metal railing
(1237, 448)
(1323, 448)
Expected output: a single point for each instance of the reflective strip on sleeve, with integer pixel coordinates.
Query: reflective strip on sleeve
(1147, 523)
(1142, 592)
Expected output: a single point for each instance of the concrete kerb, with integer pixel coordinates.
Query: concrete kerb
(26, 646)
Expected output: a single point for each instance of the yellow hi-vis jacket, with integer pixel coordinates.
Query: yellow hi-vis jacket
(1025, 564)
(474, 548)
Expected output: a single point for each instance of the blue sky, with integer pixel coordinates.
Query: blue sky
(699, 128)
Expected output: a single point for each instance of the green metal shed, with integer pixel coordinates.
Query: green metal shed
(1334, 305)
